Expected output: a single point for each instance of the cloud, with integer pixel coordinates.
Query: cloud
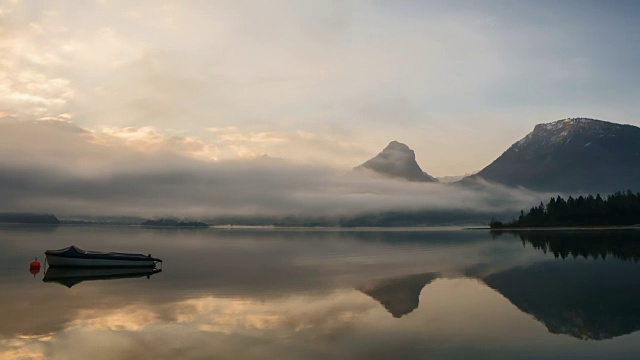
(333, 142)
(56, 166)
(147, 139)
(348, 73)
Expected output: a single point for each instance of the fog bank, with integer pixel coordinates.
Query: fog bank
(58, 167)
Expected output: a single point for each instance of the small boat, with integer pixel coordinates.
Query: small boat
(73, 276)
(73, 256)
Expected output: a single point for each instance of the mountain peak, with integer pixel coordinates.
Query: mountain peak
(573, 123)
(397, 160)
(398, 146)
(561, 131)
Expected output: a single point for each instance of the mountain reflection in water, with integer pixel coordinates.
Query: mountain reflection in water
(400, 295)
(587, 300)
(310, 294)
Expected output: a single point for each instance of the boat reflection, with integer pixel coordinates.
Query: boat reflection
(70, 277)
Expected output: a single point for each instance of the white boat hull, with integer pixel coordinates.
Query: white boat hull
(53, 260)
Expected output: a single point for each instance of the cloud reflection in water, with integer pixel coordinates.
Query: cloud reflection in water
(299, 294)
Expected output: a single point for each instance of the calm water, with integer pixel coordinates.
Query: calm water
(306, 294)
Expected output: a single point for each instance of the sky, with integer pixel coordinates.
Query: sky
(328, 82)
(96, 96)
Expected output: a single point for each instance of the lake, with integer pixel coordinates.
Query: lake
(325, 294)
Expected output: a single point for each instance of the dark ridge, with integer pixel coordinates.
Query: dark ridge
(28, 218)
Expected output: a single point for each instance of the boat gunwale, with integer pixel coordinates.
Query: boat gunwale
(105, 256)
(153, 265)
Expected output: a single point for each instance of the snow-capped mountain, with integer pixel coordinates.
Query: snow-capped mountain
(574, 155)
(397, 160)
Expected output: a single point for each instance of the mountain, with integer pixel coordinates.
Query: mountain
(397, 160)
(572, 155)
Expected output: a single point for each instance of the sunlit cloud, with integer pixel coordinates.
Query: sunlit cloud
(253, 137)
(45, 337)
(147, 139)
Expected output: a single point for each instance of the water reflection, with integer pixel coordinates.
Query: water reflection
(318, 294)
(70, 277)
(34, 271)
(591, 299)
(621, 244)
(587, 300)
(400, 295)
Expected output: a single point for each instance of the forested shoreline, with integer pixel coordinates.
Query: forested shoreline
(618, 209)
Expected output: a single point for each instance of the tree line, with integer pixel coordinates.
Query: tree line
(618, 209)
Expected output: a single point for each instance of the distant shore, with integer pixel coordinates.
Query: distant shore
(559, 228)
